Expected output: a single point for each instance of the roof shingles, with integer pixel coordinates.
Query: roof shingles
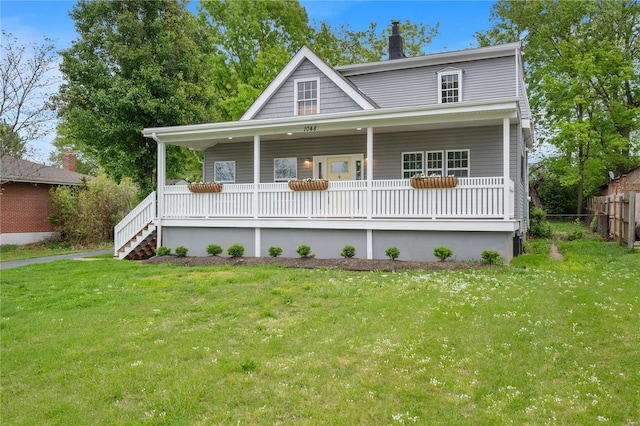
(18, 170)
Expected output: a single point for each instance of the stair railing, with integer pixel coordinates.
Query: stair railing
(137, 219)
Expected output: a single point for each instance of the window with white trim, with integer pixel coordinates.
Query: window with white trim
(224, 171)
(449, 86)
(435, 163)
(307, 96)
(285, 169)
(458, 163)
(412, 164)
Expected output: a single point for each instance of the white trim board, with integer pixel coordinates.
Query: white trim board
(458, 225)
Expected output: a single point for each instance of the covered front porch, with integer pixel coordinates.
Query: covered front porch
(475, 204)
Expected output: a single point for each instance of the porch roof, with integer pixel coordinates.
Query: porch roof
(203, 136)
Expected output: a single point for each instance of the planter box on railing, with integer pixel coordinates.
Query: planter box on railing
(205, 187)
(308, 185)
(434, 182)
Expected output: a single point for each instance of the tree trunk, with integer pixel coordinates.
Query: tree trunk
(535, 196)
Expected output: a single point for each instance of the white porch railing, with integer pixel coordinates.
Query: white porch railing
(136, 220)
(477, 198)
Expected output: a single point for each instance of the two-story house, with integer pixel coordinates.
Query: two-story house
(366, 130)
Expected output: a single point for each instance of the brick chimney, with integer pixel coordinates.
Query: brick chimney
(69, 161)
(396, 49)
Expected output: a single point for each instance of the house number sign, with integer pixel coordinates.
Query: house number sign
(310, 128)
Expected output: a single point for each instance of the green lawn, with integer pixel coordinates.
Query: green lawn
(9, 252)
(116, 342)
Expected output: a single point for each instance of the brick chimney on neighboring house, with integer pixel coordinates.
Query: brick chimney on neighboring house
(396, 48)
(69, 161)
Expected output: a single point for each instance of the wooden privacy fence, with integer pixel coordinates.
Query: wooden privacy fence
(617, 216)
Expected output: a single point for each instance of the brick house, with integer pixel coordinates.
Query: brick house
(25, 203)
(629, 181)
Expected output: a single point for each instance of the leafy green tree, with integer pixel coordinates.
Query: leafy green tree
(12, 144)
(546, 180)
(85, 163)
(345, 46)
(256, 40)
(136, 64)
(583, 66)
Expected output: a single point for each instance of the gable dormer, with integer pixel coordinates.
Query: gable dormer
(307, 86)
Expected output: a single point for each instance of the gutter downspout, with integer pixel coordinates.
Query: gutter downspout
(161, 177)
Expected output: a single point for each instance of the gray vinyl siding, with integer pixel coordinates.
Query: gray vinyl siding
(307, 148)
(332, 98)
(484, 144)
(481, 80)
(525, 109)
(241, 153)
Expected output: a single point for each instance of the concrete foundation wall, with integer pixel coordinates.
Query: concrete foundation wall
(325, 244)
(197, 239)
(419, 245)
(21, 238)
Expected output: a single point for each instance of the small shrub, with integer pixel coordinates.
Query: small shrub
(163, 251)
(491, 257)
(348, 252)
(539, 227)
(54, 242)
(6, 248)
(87, 214)
(577, 231)
(442, 252)
(303, 251)
(181, 251)
(236, 250)
(275, 251)
(214, 249)
(393, 253)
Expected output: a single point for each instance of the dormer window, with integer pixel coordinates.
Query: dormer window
(450, 86)
(307, 96)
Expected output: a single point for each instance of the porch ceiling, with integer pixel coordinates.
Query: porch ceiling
(432, 117)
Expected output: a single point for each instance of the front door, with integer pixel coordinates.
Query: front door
(338, 167)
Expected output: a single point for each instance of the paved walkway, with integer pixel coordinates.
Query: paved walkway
(24, 262)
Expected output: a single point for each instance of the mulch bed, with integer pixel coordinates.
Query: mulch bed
(353, 264)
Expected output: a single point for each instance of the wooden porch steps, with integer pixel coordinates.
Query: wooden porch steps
(141, 246)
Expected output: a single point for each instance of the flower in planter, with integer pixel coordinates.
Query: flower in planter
(308, 184)
(307, 180)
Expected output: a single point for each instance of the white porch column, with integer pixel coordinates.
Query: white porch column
(161, 175)
(257, 238)
(256, 174)
(369, 189)
(369, 171)
(506, 136)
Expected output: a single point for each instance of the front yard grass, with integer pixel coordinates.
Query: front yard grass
(116, 342)
(10, 252)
